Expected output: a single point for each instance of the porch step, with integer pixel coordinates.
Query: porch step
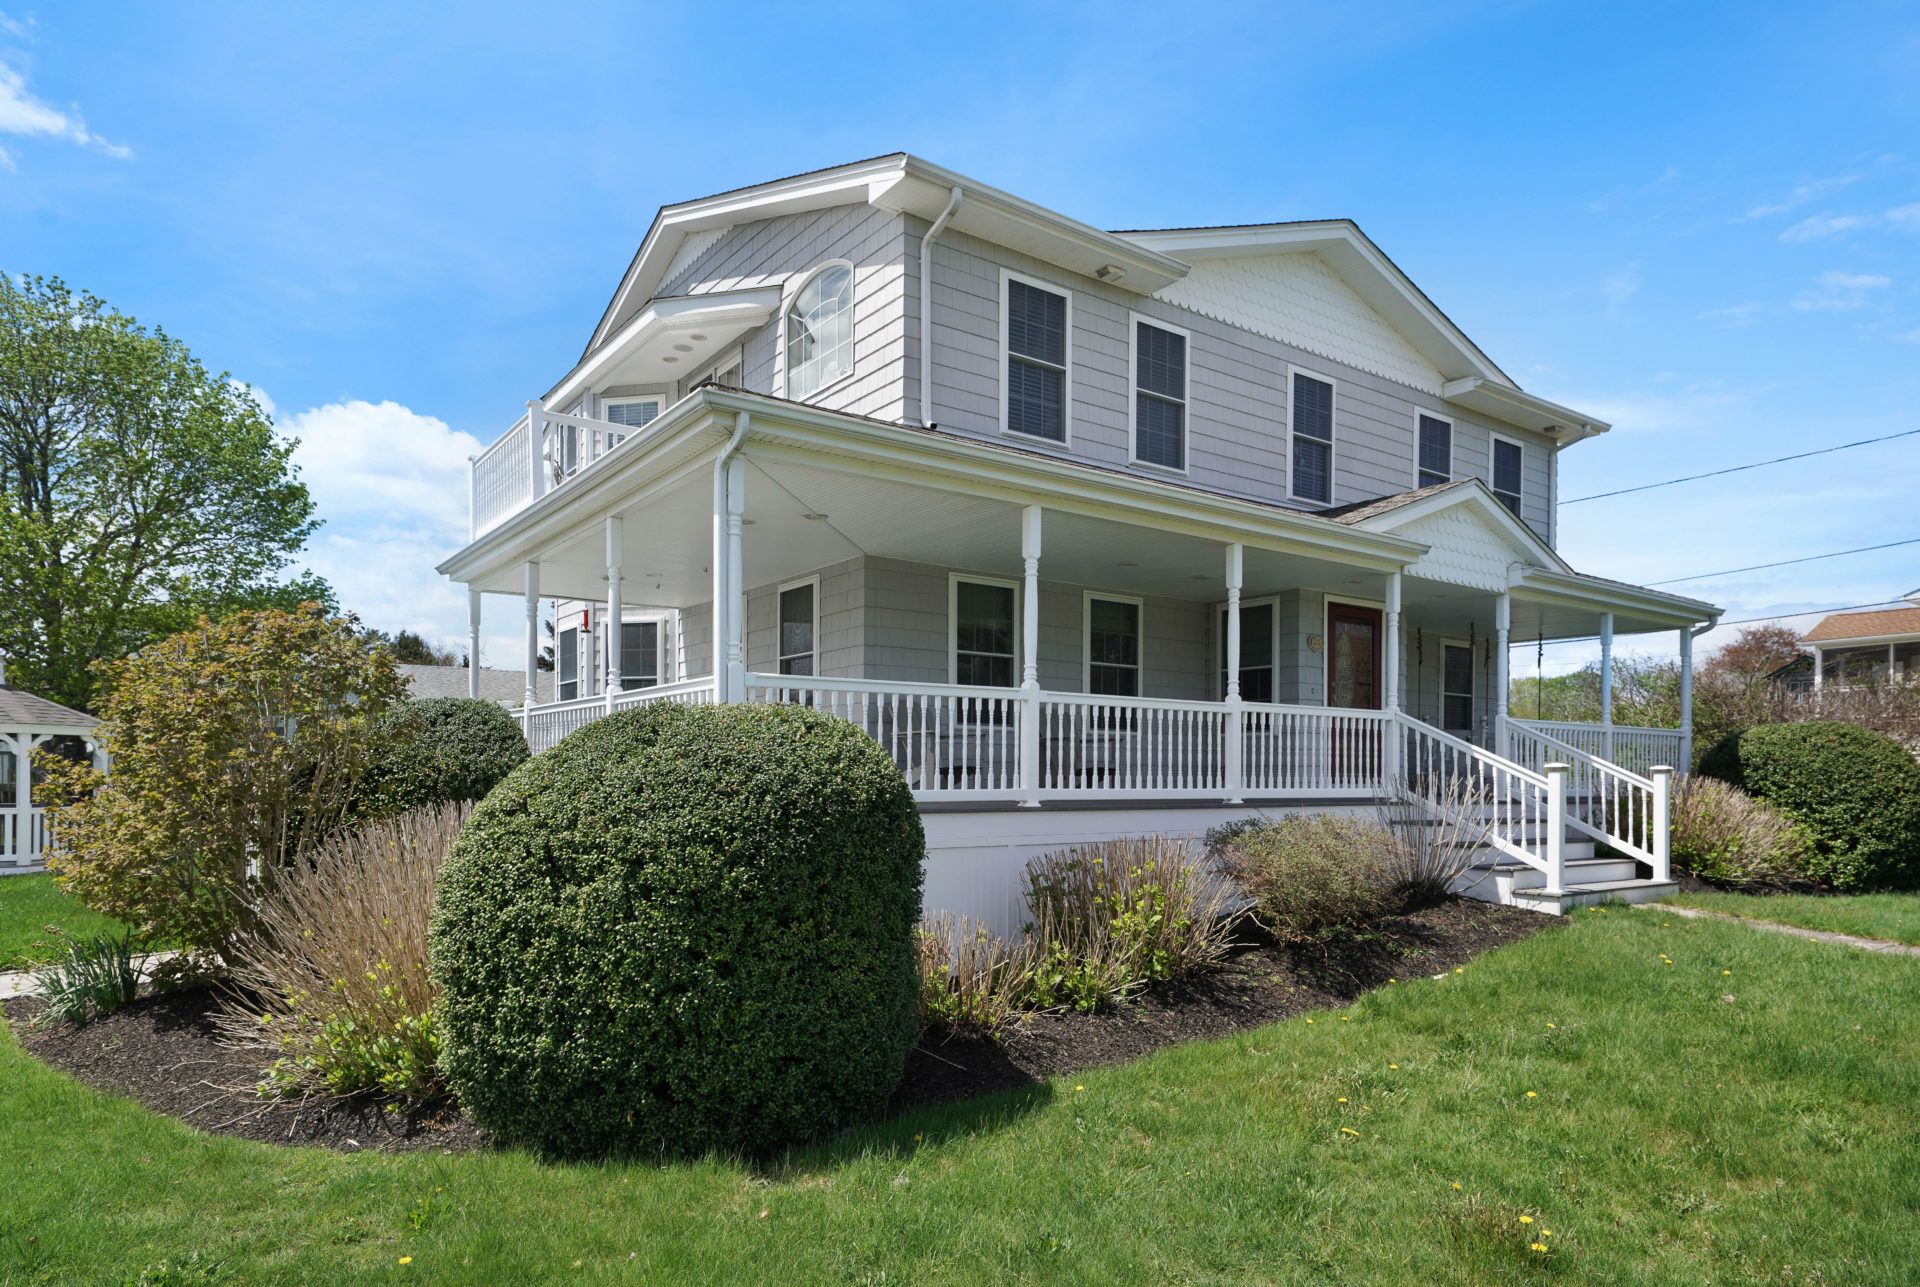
(1589, 895)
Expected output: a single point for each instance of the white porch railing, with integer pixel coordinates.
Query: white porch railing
(546, 725)
(1137, 747)
(23, 836)
(1612, 805)
(541, 451)
(501, 478)
(1633, 748)
(1522, 817)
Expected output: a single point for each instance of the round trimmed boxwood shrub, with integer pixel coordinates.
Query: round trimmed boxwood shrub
(440, 750)
(1855, 791)
(683, 929)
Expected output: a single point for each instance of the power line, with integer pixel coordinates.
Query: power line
(1811, 558)
(1777, 460)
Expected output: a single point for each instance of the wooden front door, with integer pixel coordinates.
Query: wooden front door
(1353, 657)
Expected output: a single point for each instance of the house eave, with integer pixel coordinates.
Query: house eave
(1528, 411)
(1673, 610)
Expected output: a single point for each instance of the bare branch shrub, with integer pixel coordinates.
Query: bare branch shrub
(971, 979)
(1439, 836)
(333, 975)
(1314, 874)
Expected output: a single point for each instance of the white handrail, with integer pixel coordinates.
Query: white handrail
(1610, 804)
(1519, 807)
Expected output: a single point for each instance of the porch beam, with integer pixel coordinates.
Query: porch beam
(533, 632)
(473, 642)
(616, 557)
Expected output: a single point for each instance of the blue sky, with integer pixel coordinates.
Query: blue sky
(1701, 222)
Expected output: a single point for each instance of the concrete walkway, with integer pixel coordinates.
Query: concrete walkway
(1817, 936)
(18, 983)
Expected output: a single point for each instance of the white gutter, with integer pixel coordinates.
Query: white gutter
(926, 300)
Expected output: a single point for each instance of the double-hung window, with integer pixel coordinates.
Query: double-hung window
(1037, 320)
(1436, 451)
(1506, 473)
(1312, 438)
(639, 654)
(1159, 395)
(1113, 647)
(1256, 652)
(1456, 687)
(566, 665)
(797, 629)
(983, 634)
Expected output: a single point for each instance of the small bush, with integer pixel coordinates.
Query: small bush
(683, 929)
(972, 981)
(1118, 915)
(441, 750)
(1721, 834)
(1856, 792)
(1317, 874)
(334, 975)
(91, 978)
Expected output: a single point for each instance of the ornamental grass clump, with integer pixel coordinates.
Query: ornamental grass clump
(333, 975)
(91, 978)
(972, 981)
(683, 929)
(1316, 876)
(1723, 835)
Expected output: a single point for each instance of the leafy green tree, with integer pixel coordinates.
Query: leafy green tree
(138, 490)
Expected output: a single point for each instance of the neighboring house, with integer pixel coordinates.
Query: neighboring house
(28, 723)
(507, 687)
(1852, 648)
(1097, 533)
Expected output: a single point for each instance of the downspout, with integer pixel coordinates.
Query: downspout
(723, 593)
(926, 300)
(1686, 696)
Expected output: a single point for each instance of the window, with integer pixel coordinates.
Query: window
(1256, 652)
(1456, 687)
(1506, 473)
(725, 373)
(631, 412)
(1113, 647)
(8, 779)
(1906, 660)
(820, 332)
(983, 634)
(566, 661)
(1159, 395)
(797, 629)
(1036, 373)
(1436, 451)
(639, 654)
(1312, 438)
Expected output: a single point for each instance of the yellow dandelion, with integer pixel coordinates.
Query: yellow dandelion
(1342, 1099)
(1532, 1095)
(1726, 971)
(1349, 1130)
(1393, 980)
(1536, 1246)
(1309, 1021)
(1526, 1219)
(1550, 1025)
(1395, 1067)
(1344, 1019)
(1456, 1184)
(1546, 1233)
(1459, 971)
(406, 1260)
(1076, 1088)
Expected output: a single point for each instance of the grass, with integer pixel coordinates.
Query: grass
(1591, 1077)
(28, 904)
(1894, 917)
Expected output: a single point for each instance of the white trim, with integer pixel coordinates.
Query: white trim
(1134, 322)
(791, 296)
(1494, 436)
(1333, 433)
(1086, 638)
(1453, 435)
(814, 581)
(953, 621)
(602, 402)
(736, 356)
(1006, 360)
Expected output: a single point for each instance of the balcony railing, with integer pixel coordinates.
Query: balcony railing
(541, 451)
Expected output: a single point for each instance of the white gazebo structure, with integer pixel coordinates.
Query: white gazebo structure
(27, 722)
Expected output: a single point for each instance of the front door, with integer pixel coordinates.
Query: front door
(1353, 683)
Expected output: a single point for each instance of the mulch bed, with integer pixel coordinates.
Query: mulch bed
(163, 1049)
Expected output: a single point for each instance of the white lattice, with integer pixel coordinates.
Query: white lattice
(1466, 551)
(695, 245)
(1297, 299)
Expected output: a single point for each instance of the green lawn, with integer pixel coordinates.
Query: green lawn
(1895, 917)
(1591, 1077)
(28, 904)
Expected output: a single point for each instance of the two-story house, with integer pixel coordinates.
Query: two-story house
(1097, 533)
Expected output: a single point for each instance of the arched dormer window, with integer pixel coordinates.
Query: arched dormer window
(820, 332)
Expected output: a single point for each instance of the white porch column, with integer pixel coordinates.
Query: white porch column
(533, 633)
(1236, 769)
(1030, 519)
(1606, 684)
(473, 643)
(616, 556)
(736, 582)
(1390, 690)
(1686, 699)
(1502, 628)
(15, 838)
(1819, 668)
(536, 411)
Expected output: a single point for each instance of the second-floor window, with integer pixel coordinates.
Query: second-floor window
(1037, 321)
(1506, 473)
(1312, 438)
(820, 332)
(1159, 396)
(1436, 451)
(631, 412)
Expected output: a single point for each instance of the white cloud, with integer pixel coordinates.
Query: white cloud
(391, 485)
(1799, 197)
(1905, 218)
(1837, 290)
(1824, 225)
(29, 117)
